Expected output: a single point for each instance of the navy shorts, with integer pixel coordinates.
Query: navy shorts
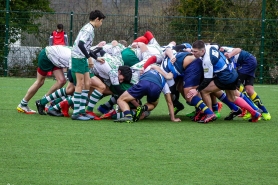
(230, 86)
(246, 79)
(193, 74)
(145, 88)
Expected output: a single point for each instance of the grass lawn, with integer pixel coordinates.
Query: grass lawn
(49, 150)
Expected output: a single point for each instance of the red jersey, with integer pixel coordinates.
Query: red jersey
(58, 38)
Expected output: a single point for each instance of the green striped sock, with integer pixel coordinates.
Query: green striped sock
(57, 94)
(94, 98)
(84, 96)
(24, 103)
(76, 102)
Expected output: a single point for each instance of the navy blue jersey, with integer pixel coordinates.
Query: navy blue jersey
(177, 67)
(244, 61)
(155, 77)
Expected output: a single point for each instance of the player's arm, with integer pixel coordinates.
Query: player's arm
(84, 51)
(66, 39)
(234, 52)
(93, 53)
(169, 53)
(168, 76)
(168, 98)
(51, 39)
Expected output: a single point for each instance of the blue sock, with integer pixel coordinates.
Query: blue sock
(198, 103)
(127, 113)
(225, 100)
(215, 107)
(249, 101)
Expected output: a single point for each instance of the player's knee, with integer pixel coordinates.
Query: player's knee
(101, 87)
(61, 81)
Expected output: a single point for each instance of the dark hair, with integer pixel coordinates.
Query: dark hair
(126, 72)
(179, 48)
(123, 42)
(96, 14)
(199, 44)
(60, 26)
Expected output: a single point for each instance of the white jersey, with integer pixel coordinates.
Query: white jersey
(108, 71)
(229, 50)
(113, 50)
(59, 55)
(86, 35)
(154, 49)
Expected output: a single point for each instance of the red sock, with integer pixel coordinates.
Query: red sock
(149, 35)
(150, 61)
(243, 104)
(142, 39)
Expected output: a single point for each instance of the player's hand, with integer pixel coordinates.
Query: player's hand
(141, 71)
(169, 76)
(90, 62)
(101, 44)
(176, 120)
(227, 55)
(192, 93)
(134, 45)
(101, 60)
(173, 60)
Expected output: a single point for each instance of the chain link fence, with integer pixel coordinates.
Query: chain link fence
(257, 36)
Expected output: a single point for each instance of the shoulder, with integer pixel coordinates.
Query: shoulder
(88, 27)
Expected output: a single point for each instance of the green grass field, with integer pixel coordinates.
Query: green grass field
(49, 150)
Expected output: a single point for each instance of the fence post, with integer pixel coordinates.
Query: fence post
(136, 20)
(262, 42)
(71, 26)
(199, 27)
(6, 49)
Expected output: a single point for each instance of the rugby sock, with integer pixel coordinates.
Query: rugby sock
(215, 107)
(198, 103)
(58, 107)
(225, 100)
(56, 101)
(256, 99)
(84, 96)
(150, 61)
(57, 94)
(70, 101)
(142, 39)
(243, 104)
(94, 98)
(118, 115)
(247, 99)
(127, 113)
(76, 102)
(121, 115)
(149, 36)
(112, 101)
(23, 103)
(241, 89)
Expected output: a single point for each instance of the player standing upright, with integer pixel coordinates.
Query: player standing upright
(80, 60)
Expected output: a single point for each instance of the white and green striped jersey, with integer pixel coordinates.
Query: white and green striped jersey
(86, 35)
(59, 55)
(114, 50)
(108, 71)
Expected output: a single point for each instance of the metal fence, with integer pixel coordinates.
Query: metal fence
(258, 36)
